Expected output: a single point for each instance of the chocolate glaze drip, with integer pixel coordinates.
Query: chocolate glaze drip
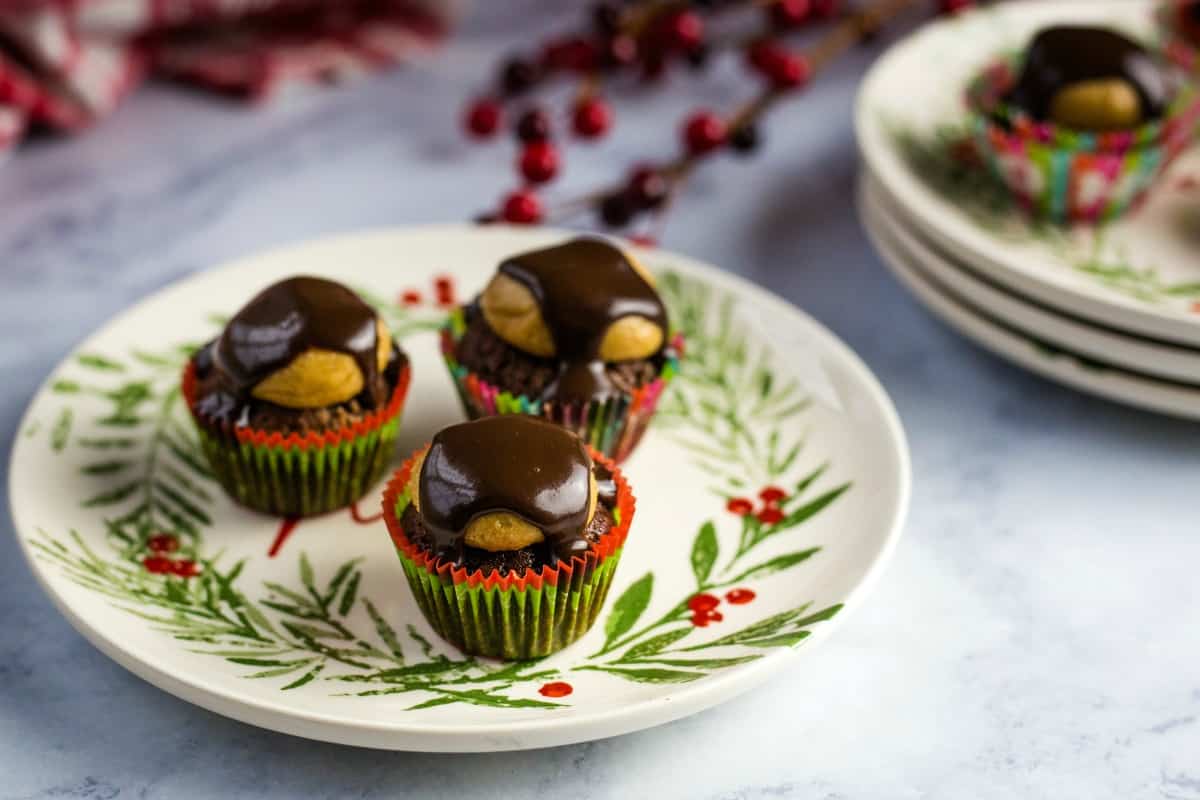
(520, 464)
(292, 316)
(280, 323)
(1065, 55)
(582, 287)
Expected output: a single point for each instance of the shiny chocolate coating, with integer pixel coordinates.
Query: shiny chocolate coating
(582, 287)
(516, 463)
(290, 317)
(1061, 56)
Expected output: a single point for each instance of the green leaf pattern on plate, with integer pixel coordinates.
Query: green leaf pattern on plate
(151, 479)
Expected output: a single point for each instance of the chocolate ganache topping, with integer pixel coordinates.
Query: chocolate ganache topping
(526, 466)
(1062, 56)
(582, 287)
(293, 316)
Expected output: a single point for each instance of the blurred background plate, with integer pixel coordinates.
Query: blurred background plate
(1110, 346)
(1021, 347)
(1138, 274)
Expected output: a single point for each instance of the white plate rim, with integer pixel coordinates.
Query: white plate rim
(1137, 355)
(1042, 281)
(538, 732)
(1113, 384)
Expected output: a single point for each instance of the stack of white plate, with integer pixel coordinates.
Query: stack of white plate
(1112, 309)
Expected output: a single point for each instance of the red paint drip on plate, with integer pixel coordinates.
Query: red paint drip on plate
(157, 565)
(286, 526)
(357, 516)
(740, 597)
(163, 543)
(185, 568)
(556, 689)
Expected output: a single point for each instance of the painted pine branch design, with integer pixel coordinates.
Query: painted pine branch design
(153, 491)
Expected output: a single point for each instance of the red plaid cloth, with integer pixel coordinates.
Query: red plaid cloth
(66, 63)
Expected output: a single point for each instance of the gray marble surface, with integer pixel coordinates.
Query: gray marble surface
(1036, 635)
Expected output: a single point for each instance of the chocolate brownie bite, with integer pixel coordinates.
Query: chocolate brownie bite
(308, 370)
(576, 333)
(508, 504)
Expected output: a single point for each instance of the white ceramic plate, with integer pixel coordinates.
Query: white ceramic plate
(316, 633)
(1021, 347)
(1161, 359)
(1139, 274)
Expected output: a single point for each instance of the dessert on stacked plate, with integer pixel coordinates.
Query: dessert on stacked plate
(1027, 177)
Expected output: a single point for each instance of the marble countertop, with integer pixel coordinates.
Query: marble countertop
(1036, 635)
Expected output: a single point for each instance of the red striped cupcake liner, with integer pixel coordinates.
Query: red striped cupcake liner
(513, 615)
(298, 474)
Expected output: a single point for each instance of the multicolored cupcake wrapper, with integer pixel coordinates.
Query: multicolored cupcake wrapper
(299, 474)
(513, 616)
(1181, 34)
(614, 426)
(1064, 175)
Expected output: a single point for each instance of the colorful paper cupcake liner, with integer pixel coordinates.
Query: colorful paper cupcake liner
(1180, 33)
(516, 615)
(1064, 175)
(613, 426)
(299, 474)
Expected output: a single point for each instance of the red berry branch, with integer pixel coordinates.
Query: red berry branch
(644, 39)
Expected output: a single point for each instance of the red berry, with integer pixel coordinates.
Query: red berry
(539, 162)
(772, 495)
(954, 6)
(410, 297)
(824, 9)
(575, 54)
(606, 17)
(739, 505)
(715, 616)
(519, 76)
(739, 597)
(789, 14)
(745, 139)
(556, 689)
(443, 287)
(654, 66)
(619, 51)
(685, 30)
(700, 619)
(761, 54)
(592, 118)
(523, 208)
(158, 565)
(770, 515)
(703, 602)
(185, 568)
(647, 187)
(788, 71)
(703, 132)
(163, 543)
(618, 209)
(533, 126)
(483, 118)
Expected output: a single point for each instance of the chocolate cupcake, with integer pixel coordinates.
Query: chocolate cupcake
(1081, 124)
(298, 400)
(509, 529)
(575, 333)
